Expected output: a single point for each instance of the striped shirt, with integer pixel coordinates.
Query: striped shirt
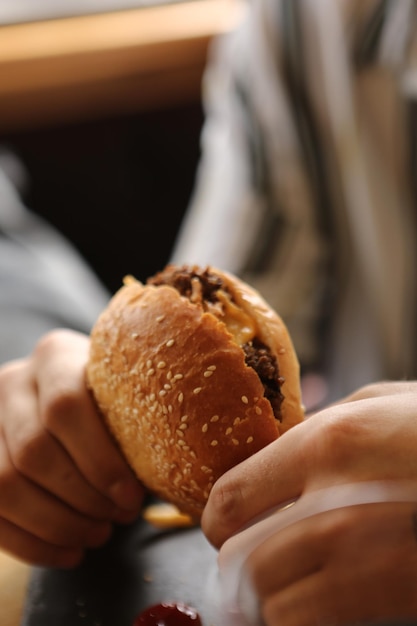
(307, 185)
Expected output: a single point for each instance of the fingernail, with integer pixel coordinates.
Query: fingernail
(127, 495)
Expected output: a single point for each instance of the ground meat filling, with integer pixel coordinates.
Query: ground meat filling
(190, 282)
(259, 357)
(200, 286)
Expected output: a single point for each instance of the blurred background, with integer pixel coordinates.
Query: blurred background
(101, 103)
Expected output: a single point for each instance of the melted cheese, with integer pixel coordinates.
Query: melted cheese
(237, 321)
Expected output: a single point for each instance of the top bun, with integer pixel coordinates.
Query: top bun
(167, 370)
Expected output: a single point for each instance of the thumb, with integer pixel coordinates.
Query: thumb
(268, 479)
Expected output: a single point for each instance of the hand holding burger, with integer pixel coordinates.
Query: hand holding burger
(193, 372)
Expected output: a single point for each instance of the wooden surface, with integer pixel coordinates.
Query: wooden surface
(13, 580)
(94, 65)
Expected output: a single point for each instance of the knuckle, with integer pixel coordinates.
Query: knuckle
(52, 340)
(8, 376)
(47, 342)
(371, 390)
(341, 432)
(26, 451)
(62, 403)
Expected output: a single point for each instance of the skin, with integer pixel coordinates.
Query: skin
(63, 481)
(357, 563)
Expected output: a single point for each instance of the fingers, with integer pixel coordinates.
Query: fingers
(262, 482)
(63, 481)
(380, 389)
(68, 413)
(38, 456)
(35, 511)
(301, 549)
(310, 571)
(33, 550)
(344, 443)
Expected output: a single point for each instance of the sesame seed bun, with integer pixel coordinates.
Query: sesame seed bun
(171, 381)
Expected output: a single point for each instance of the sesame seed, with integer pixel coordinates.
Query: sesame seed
(235, 442)
(186, 448)
(160, 318)
(170, 409)
(183, 427)
(134, 335)
(169, 375)
(180, 397)
(208, 373)
(178, 376)
(184, 418)
(181, 442)
(197, 390)
(179, 433)
(214, 418)
(152, 397)
(258, 410)
(214, 442)
(236, 421)
(170, 343)
(244, 399)
(229, 430)
(249, 439)
(167, 386)
(212, 368)
(148, 363)
(164, 410)
(150, 371)
(163, 392)
(204, 428)
(161, 365)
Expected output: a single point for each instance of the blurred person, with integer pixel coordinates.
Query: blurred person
(307, 183)
(59, 493)
(45, 283)
(306, 189)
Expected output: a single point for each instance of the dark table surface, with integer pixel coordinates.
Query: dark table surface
(139, 567)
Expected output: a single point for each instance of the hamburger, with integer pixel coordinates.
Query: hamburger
(193, 372)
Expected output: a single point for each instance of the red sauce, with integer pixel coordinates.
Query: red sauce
(168, 614)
